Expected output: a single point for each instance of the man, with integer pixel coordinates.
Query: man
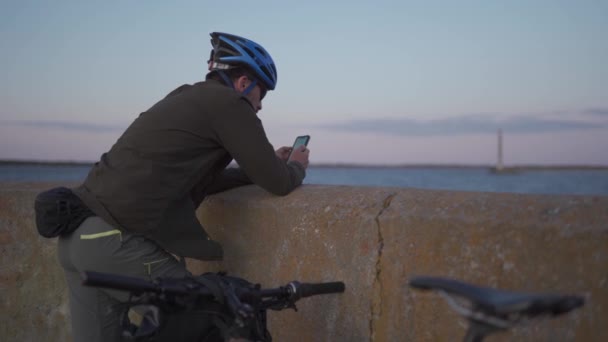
(145, 190)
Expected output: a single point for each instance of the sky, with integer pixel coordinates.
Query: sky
(372, 82)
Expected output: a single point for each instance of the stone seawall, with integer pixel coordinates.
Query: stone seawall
(373, 239)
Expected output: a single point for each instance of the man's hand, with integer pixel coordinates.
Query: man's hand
(300, 155)
(283, 152)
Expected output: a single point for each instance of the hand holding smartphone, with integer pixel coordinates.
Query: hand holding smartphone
(301, 140)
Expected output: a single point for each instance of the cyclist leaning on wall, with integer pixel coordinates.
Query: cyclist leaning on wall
(143, 193)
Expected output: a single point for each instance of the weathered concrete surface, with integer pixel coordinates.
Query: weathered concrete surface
(373, 239)
(328, 236)
(523, 242)
(33, 297)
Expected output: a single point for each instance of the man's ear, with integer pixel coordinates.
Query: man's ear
(242, 83)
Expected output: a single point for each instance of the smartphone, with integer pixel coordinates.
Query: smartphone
(301, 140)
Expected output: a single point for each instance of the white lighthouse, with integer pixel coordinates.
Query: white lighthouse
(499, 164)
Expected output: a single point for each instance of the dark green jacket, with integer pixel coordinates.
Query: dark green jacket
(158, 172)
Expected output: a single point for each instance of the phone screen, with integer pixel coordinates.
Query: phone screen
(301, 140)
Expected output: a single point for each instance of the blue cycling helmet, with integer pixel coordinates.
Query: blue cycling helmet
(230, 51)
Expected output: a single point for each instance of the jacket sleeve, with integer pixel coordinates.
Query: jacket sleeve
(228, 179)
(241, 133)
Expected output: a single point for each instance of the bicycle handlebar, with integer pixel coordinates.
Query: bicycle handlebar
(246, 302)
(289, 293)
(135, 285)
(308, 289)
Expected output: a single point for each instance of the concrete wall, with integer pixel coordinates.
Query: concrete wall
(33, 295)
(373, 239)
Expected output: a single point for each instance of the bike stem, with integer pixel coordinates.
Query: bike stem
(477, 331)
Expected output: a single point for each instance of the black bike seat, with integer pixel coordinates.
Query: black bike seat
(499, 302)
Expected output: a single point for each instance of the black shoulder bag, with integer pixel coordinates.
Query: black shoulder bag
(59, 212)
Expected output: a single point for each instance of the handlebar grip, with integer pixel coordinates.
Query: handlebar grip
(117, 282)
(308, 289)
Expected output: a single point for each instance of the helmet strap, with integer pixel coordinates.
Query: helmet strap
(231, 84)
(226, 78)
(250, 87)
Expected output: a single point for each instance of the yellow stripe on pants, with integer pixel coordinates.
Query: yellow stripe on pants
(100, 235)
(148, 265)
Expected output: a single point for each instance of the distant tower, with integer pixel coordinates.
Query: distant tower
(499, 165)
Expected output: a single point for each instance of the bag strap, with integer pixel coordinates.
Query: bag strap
(212, 281)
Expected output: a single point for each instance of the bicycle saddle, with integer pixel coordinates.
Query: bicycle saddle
(501, 303)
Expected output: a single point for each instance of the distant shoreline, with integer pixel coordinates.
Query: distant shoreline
(464, 166)
(44, 163)
(352, 165)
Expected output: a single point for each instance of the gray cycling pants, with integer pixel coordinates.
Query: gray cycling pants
(97, 246)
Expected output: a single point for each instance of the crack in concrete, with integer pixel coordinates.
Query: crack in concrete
(376, 300)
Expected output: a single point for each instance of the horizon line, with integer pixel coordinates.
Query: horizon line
(343, 164)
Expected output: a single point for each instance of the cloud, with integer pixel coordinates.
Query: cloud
(597, 111)
(471, 124)
(66, 125)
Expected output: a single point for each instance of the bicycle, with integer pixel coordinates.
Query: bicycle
(239, 307)
(234, 307)
(491, 310)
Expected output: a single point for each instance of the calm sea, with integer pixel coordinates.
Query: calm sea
(539, 181)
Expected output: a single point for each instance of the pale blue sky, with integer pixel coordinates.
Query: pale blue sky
(370, 81)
